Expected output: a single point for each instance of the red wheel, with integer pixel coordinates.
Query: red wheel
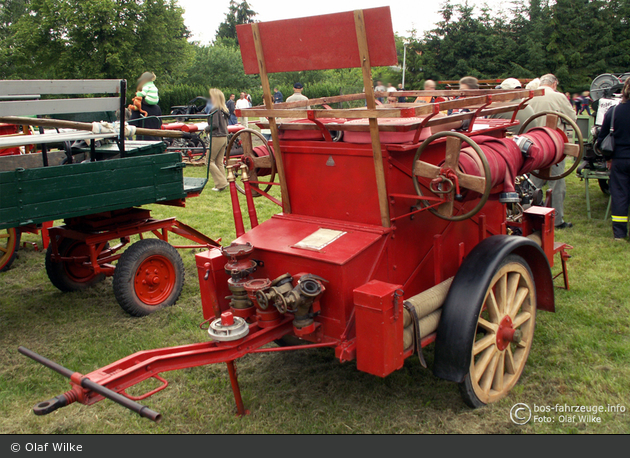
(9, 244)
(149, 276)
(70, 276)
(155, 280)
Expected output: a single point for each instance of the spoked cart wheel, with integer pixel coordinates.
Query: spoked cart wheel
(9, 244)
(69, 276)
(448, 179)
(570, 149)
(255, 164)
(148, 277)
(504, 334)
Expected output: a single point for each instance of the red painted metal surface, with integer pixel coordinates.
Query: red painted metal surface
(379, 328)
(319, 42)
(154, 280)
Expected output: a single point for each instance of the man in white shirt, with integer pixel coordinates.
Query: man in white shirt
(241, 104)
(379, 88)
(554, 101)
(298, 96)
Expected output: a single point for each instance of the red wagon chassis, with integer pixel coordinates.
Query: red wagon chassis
(382, 248)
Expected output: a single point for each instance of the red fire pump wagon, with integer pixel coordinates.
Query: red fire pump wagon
(401, 234)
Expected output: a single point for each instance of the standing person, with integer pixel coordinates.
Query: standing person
(617, 121)
(379, 88)
(465, 84)
(522, 115)
(277, 96)
(585, 103)
(391, 98)
(298, 96)
(150, 99)
(554, 101)
(231, 106)
(219, 139)
(429, 85)
(401, 99)
(241, 104)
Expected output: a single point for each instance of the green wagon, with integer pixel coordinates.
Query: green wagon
(98, 192)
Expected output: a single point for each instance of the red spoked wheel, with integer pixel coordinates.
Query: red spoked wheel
(149, 276)
(71, 275)
(9, 244)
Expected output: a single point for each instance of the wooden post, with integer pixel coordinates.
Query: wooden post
(264, 79)
(359, 22)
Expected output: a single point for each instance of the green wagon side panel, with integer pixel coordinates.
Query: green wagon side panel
(36, 195)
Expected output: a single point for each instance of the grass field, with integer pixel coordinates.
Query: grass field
(580, 355)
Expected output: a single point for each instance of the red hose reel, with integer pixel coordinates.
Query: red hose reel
(487, 162)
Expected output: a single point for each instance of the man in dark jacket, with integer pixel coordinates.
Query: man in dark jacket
(277, 96)
(231, 105)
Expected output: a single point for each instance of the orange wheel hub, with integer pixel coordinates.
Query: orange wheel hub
(155, 280)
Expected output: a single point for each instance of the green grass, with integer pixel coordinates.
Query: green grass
(581, 354)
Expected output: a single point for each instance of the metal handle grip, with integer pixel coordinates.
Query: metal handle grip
(46, 407)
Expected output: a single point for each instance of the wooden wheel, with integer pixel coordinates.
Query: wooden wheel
(504, 335)
(254, 163)
(450, 172)
(570, 149)
(9, 244)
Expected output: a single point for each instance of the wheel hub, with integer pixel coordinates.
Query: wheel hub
(155, 280)
(507, 334)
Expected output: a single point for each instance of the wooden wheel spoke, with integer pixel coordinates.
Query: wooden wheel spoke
(520, 297)
(263, 162)
(571, 149)
(493, 307)
(472, 182)
(512, 286)
(521, 318)
(497, 382)
(5, 236)
(446, 209)
(488, 326)
(501, 294)
(522, 344)
(453, 148)
(484, 343)
(481, 365)
(426, 170)
(510, 367)
(488, 376)
(4, 250)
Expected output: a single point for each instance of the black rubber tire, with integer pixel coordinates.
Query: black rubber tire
(128, 267)
(466, 387)
(12, 248)
(58, 272)
(604, 186)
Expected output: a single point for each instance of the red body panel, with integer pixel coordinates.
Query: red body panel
(309, 41)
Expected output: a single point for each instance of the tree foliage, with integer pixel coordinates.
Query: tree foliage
(238, 13)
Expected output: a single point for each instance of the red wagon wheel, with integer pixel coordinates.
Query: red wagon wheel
(149, 276)
(254, 163)
(9, 244)
(71, 275)
(442, 178)
(570, 149)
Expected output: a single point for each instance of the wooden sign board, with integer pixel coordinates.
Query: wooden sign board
(319, 42)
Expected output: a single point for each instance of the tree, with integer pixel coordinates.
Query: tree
(98, 39)
(238, 13)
